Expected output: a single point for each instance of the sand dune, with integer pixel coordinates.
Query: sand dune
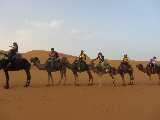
(138, 102)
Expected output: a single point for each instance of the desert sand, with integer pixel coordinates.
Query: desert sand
(38, 102)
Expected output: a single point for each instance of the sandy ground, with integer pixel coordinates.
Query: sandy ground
(38, 102)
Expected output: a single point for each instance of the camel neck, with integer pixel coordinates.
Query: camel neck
(40, 66)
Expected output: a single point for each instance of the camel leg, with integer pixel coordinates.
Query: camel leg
(49, 77)
(123, 79)
(100, 81)
(114, 84)
(28, 78)
(159, 79)
(65, 77)
(76, 78)
(61, 73)
(150, 76)
(90, 77)
(7, 80)
(131, 79)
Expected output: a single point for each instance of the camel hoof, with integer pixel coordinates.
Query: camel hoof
(100, 85)
(27, 85)
(58, 84)
(6, 87)
(91, 84)
(64, 84)
(76, 84)
(130, 83)
(48, 85)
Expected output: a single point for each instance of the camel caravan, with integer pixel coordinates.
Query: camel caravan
(13, 61)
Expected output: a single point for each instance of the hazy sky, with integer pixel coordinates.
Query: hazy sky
(111, 26)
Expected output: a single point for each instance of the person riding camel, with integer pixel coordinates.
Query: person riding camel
(125, 59)
(81, 60)
(53, 57)
(100, 57)
(53, 53)
(12, 54)
(153, 63)
(82, 56)
(103, 64)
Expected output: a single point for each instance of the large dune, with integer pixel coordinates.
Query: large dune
(38, 102)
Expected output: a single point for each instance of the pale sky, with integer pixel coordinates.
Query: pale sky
(111, 26)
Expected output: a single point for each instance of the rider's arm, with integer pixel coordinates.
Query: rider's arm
(95, 59)
(85, 56)
(56, 54)
(50, 54)
(80, 55)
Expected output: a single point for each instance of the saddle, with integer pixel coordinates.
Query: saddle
(124, 65)
(54, 62)
(104, 66)
(153, 67)
(13, 59)
(18, 56)
(80, 64)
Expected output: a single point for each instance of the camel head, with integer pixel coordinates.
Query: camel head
(140, 67)
(64, 60)
(92, 66)
(92, 63)
(35, 60)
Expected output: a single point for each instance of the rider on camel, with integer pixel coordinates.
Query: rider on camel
(53, 53)
(81, 61)
(82, 55)
(100, 57)
(12, 55)
(53, 56)
(153, 63)
(102, 63)
(125, 59)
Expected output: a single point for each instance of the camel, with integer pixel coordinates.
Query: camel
(75, 69)
(100, 72)
(148, 71)
(19, 64)
(61, 67)
(126, 69)
(64, 64)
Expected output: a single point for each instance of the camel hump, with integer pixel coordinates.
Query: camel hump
(22, 60)
(63, 59)
(19, 55)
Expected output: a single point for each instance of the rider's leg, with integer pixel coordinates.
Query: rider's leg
(152, 67)
(11, 58)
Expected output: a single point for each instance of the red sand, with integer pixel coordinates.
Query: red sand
(38, 102)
